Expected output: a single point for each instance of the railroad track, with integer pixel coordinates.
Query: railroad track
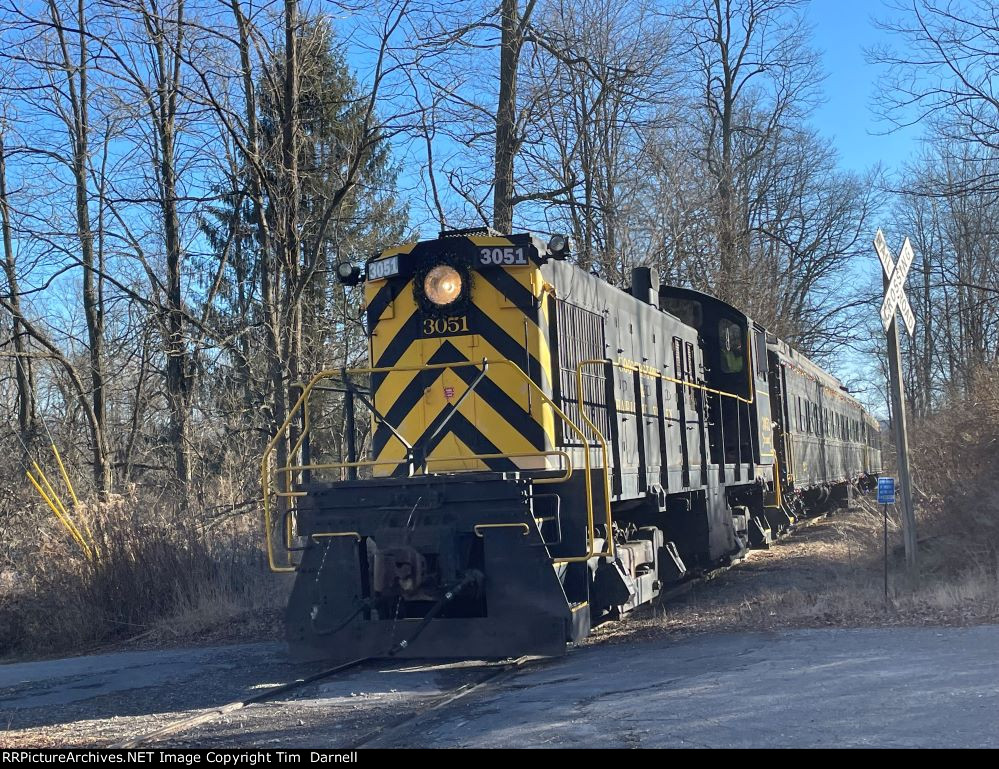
(382, 737)
(497, 673)
(186, 724)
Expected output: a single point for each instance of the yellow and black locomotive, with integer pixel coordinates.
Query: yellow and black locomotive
(545, 451)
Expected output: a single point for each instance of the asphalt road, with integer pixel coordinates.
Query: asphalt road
(898, 687)
(889, 687)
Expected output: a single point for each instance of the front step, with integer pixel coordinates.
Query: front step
(760, 533)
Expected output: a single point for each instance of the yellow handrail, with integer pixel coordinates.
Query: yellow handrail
(776, 481)
(656, 374)
(302, 403)
(566, 475)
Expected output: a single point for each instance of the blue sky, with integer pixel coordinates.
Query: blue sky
(842, 29)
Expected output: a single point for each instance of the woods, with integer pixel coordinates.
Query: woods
(179, 179)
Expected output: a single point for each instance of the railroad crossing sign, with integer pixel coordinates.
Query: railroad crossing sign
(895, 298)
(896, 301)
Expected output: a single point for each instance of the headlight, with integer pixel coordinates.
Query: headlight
(559, 246)
(348, 274)
(442, 286)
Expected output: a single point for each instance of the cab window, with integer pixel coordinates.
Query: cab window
(687, 310)
(733, 350)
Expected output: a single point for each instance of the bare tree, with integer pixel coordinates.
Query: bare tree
(23, 368)
(594, 103)
(750, 58)
(489, 157)
(55, 62)
(514, 26)
(940, 72)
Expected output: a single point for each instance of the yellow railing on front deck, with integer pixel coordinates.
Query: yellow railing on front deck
(302, 405)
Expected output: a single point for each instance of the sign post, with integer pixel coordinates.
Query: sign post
(895, 301)
(886, 496)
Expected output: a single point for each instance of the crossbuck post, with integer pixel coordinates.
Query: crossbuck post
(895, 301)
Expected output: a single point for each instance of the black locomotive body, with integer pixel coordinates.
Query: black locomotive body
(547, 451)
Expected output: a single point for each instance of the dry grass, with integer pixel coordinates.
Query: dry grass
(955, 457)
(828, 574)
(159, 576)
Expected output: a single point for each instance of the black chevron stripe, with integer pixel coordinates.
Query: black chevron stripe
(404, 337)
(511, 411)
(412, 393)
(508, 347)
(514, 414)
(378, 303)
(465, 431)
(508, 285)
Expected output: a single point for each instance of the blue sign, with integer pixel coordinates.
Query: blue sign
(886, 491)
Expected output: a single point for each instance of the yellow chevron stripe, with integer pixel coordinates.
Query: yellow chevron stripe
(485, 240)
(405, 248)
(475, 348)
(511, 320)
(476, 408)
(387, 328)
(529, 277)
(510, 382)
(453, 446)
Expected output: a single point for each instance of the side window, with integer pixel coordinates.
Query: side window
(760, 353)
(733, 349)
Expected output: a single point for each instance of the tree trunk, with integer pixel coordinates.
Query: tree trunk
(22, 363)
(284, 368)
(178, 376)
(506, 117)
(93, 299)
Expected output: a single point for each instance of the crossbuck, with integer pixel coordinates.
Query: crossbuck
(895, 298)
